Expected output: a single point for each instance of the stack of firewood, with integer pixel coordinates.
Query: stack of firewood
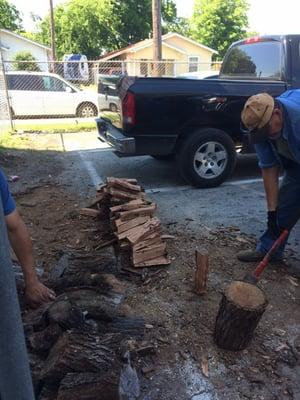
(133, 222)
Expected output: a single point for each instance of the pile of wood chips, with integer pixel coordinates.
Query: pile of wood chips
(132, 220)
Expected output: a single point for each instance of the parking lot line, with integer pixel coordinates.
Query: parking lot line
(188, 187)
(95, 178)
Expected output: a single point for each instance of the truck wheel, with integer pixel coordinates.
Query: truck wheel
(87, 110)
(207, 157)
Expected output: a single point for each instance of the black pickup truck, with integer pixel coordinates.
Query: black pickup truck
(198, 121)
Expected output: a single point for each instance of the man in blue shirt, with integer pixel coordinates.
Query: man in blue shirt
(274, 128)
(35, 291)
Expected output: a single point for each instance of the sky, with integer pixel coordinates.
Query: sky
(265, 16)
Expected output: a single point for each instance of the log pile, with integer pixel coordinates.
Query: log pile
(74, 342)
(138, 232)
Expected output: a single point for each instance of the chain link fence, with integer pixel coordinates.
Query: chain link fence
(78, 89)
(5, 120)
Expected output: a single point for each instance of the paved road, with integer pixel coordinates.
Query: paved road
(238, 202)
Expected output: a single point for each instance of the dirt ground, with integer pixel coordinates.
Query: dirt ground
(187, 364)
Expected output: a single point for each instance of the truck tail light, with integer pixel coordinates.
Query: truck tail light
(253, 39)
(128, 109)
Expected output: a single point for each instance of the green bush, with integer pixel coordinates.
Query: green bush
(24, 61)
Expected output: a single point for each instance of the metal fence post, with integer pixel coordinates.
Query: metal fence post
(6, 92)
(15, 378)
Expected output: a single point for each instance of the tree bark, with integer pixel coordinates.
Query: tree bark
(95, 303)
(241, 309)
(89, 386)
(79, 351)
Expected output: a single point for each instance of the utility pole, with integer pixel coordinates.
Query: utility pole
(156, 26)
(52, 28)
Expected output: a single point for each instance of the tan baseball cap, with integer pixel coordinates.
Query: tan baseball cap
(257, 111)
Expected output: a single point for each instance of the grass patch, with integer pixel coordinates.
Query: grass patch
(62, 127)
(9, 140)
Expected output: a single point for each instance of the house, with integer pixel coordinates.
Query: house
(12, 43)
(179, 55)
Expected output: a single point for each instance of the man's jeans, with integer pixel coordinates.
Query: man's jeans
(288, 204)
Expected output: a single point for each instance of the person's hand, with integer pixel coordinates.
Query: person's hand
(273, 226)
(37, 293)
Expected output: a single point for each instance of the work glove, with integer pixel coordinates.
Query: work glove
(273, 226)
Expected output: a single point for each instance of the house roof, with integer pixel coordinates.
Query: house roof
(24, 38)
(133, 48)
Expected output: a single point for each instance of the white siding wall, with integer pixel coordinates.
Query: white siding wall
(15, 45)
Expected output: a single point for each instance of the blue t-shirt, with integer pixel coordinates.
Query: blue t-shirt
(267, 153)
(8, 202)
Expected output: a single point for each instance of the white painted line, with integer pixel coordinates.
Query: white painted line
(188, 187)
(169, 189)
(95, 178)
(242, 182)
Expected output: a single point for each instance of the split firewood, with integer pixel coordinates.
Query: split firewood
(150, 241)
(128, 225)
(131, 205)
(151, 226)
(122, 195)
(90, 212)
(138, 212)
(130, 180)
(123, 184)
(149, 253)
(155, 262)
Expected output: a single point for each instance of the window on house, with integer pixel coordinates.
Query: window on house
(193, 63)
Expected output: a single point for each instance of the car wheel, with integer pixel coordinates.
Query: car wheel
(166, 157)
(87, 110)
(207, 157)
(113, 107)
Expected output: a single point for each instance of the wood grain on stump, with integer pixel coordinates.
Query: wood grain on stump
(241, 308)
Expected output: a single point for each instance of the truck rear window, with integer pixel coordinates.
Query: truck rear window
(261, 60)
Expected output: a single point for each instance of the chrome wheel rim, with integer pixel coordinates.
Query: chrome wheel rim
(87, 112)
(210, 160)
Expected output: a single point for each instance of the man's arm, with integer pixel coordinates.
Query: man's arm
(271, 184)
(20, 240)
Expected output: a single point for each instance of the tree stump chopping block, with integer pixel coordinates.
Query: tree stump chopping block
(241, 308)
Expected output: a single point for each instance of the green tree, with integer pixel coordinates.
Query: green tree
(172, 23)
(179, 24)
(93, 27)
(9, 16)
(24, 61)
(218, 23)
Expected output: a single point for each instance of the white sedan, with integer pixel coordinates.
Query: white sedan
(46, 94)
